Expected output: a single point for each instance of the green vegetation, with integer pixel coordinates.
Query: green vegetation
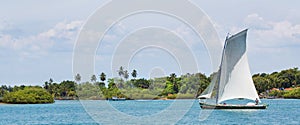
(185, 87)
(28, 95)
(276, 93)
(64, 90)
(294, 93)
(289, 78)
(88, 91)
(170, 87)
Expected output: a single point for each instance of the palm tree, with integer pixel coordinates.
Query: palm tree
(126, 74)
(173, 80)
(134, 73)
(102, 77)
(50, 80)
(172, 77)
(111, 84)
(93, 78)
(121, 71)
(46, 86)
(77, 78)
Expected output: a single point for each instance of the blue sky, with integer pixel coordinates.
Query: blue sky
(37, 38)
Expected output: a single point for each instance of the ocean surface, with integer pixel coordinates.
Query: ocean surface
(280, 111)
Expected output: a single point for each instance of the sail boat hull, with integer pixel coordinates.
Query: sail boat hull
(219, 106)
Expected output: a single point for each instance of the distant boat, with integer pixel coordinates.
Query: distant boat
(117, 99)
(233, 79)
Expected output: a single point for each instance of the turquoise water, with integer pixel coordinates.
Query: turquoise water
(72, 112)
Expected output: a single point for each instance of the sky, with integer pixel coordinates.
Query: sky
(38, 38)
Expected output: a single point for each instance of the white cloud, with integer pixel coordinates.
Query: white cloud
(273, 44)
(62, 34)
(270, 34)
(255, 21)
(63, 30)
(4, 25)
(5, 41)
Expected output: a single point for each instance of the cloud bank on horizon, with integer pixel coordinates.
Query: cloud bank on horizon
(37, 47)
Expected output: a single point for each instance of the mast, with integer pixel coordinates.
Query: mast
(219, 76)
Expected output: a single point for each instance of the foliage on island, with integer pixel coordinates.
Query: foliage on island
(185, 86)
(28, 95)
(274, 84)
(293, 94)
(64, 90)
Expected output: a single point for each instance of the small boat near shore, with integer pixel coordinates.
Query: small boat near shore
(117, 99)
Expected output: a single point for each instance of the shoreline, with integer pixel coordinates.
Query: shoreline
(2, 103)
(174, 99)
(165, 98)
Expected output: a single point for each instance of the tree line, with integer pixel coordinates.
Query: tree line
(283, 79)
(172, 86)
(289, 78)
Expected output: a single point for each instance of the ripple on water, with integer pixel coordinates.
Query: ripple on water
(72, 112)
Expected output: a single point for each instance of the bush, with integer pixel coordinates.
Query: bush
(186, 96)
(295, 93)
(28, 95)
(277, 93)
(171, 96)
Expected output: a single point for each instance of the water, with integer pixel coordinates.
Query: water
(280, 111)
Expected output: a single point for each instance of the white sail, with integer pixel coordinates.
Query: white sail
(240, 84)
(207, 93)
(235, 78)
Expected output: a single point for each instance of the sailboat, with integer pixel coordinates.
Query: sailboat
(233, 79)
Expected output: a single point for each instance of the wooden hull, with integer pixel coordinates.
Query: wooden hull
(211, 106)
